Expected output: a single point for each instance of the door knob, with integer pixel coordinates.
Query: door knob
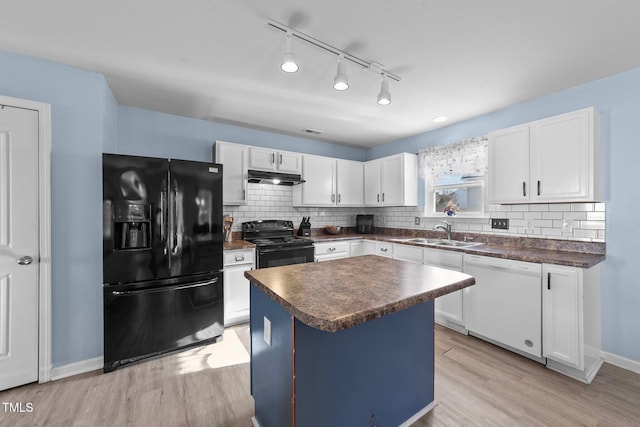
(25, 260)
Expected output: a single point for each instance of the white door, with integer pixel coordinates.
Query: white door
(262, 159)
(560, 158)
(393, 181)
(319, 186)
(509, 165)
(18, 246)
(350, 183)
(234, 159)
(562, 314)
(372, 183)
(289, 162)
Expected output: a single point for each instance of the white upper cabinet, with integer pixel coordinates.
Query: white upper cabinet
(274, 160)
(551, 160)
(349, 183)
(233, 157)
(319, 188)
(329, 182)
(391, 181)
(509, 165)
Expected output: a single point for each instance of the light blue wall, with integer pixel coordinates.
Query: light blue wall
(82, 118)
(618, 100)
(86, 121)
(149, 133)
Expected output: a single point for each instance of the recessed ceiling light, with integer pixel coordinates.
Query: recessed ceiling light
(440, 119)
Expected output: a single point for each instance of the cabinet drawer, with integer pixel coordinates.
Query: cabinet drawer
(331, 248)
(440, 258)
(238, 257)
(408, 253)
(384, 249)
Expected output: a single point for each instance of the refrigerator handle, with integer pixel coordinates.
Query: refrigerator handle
(174, 226)
(163, 225)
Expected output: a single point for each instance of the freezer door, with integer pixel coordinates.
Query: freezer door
(195, 207)
(148, 319)
(135, 222)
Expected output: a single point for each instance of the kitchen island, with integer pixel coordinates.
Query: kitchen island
(345, 342)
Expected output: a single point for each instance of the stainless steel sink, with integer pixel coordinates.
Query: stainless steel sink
(439, 242)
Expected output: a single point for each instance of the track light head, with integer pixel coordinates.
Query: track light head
(384, 97)
(289, 61)
(341, 81)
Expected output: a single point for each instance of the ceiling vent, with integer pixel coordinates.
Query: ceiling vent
(313, 131)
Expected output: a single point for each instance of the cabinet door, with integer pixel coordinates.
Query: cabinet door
(234, 179)
(356, 248)
(262, 159)
(368, 247)
(560, 157)
(562, 315)
(236, 294)
(509, 165)
(408, 253)
(350, 183)
(448, 308)
(372, 179)
(289, 162)
(392, 181)
(319, 186)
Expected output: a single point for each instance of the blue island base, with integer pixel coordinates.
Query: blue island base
(379, 373)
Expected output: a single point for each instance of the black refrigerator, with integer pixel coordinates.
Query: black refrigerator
(162, 256)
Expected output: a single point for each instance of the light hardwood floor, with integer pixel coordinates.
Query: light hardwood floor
(477, 384)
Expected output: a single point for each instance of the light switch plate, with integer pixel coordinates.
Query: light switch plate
(267, 331)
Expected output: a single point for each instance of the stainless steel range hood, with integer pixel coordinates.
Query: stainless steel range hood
(277, 178)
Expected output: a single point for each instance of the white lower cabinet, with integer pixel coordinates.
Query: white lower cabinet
(331, 250)
(408, 253)
(356, 248)
(368, 247)
(236, 286)
(448, 308)
(571, 320)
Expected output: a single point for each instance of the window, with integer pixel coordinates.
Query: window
(454, 178)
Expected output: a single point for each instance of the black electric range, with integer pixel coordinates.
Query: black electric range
(276, 244)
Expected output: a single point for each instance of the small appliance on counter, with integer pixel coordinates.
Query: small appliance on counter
(305, 226)
(364, 224)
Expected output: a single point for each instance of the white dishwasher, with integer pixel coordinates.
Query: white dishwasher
(505, 304)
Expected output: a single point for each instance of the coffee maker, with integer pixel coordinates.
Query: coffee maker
(364, 224)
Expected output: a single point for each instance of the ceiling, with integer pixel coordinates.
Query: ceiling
(219, 60)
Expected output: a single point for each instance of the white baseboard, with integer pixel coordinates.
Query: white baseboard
(77, 368)
(622, 362)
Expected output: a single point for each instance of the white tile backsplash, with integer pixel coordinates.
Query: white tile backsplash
(267, 201)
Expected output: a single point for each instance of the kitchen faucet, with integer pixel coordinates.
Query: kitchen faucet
(446, 228)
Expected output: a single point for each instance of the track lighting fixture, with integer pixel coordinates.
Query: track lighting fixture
(289, 61)
(384, 97)
(341, 81)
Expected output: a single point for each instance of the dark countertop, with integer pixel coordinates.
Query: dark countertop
(554, 255)
(237, 244)
(342, 293)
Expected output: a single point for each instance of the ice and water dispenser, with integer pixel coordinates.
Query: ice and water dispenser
(131, 225)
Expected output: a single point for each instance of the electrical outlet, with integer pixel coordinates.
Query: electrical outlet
(267, 331)
(500, 223)
(417, 220)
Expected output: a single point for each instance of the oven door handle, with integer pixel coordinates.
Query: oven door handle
(169, 288)
(270, 251)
